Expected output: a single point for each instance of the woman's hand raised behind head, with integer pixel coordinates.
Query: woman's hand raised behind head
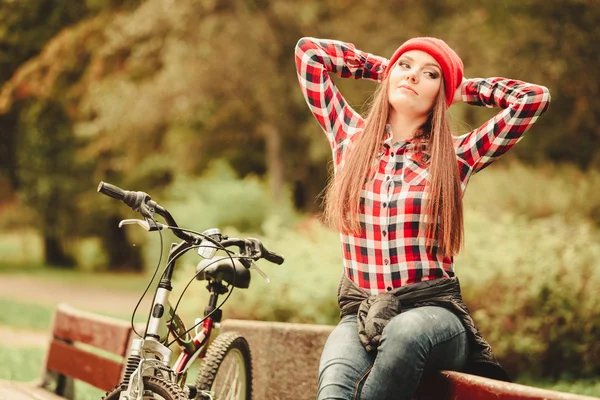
(458, 93)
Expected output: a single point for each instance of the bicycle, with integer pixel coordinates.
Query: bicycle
(225, 372)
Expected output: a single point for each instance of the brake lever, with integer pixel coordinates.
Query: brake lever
(149, 224)
(260, 271)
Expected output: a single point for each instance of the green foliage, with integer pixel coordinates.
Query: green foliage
(535, 193)
(45, 161)
(530, 266)
(26, 26)
(89, 254)
(21, 247)
(584, 387)
(220, 199)
(529, 285)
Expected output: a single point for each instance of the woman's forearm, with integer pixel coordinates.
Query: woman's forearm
(339, 58)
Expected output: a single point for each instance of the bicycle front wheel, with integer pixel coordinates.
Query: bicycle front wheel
(154, 389)
(226, 370)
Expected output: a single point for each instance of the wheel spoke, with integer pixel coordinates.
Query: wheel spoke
(233, 392)
(225, 381)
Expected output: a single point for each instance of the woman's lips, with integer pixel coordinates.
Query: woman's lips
(408, 88)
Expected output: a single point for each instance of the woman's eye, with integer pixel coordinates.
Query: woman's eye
(432, 75)
(404, 65)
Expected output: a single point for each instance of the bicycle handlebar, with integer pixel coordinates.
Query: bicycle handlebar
(142, 202)
(272, 256)
(111, 191)
(258, 249)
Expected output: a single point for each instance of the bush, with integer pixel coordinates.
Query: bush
(220, 199)
(530, 286)
(536, 192)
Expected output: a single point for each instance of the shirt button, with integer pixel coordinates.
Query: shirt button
(384, 205)
(392, 154)
(384, 233)
(386, 261)
(389, 288)
(387, 178)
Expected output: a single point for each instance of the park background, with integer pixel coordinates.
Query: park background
(197, 103)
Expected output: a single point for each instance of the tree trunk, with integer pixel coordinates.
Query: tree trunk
(274, 161)
(122, 256)
(8, 163)
(54, 254)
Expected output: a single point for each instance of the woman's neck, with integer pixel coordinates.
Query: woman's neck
(404, 126)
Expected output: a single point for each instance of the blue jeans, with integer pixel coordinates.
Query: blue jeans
(415, 341)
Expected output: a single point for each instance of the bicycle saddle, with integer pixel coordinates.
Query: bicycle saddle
(220, 269)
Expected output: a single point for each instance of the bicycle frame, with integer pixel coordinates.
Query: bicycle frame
(149, 355)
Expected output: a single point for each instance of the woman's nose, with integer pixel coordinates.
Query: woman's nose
(411, 75)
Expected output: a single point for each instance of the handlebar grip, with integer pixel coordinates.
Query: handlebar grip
(112, 191)
(272, 257)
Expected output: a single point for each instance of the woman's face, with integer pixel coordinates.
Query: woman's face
(414, 82)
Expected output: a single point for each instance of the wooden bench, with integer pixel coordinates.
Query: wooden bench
(85, 347)
(285, 359)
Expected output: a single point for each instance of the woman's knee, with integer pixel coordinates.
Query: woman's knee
(421, 328)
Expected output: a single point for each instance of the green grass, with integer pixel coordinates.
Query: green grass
(22, 315)
(117, 281)
(583, 387)
(21, 364)
(38, 317)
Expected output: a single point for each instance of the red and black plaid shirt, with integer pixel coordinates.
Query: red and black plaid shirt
(389, 251)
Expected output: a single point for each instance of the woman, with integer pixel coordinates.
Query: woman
(396, 171)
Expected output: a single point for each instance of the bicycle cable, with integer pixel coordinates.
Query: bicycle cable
(221, 247)
(229, 253)
(230, 291)
(156, 271)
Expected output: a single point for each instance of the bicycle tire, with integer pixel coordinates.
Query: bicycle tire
(159, 388)
(229, 353)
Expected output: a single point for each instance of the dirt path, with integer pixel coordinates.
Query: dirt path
(23, 338)
(49, 293)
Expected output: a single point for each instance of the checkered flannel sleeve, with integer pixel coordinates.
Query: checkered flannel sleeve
(315, 59)
(522, 104)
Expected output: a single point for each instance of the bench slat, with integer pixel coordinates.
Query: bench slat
(79, 364)
(456, 385)
(102, 332)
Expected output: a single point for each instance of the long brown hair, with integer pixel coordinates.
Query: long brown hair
(444, 204)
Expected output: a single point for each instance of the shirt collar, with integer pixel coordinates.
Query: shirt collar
(388, 138)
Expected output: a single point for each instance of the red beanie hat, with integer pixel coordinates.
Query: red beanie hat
(450, 62)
